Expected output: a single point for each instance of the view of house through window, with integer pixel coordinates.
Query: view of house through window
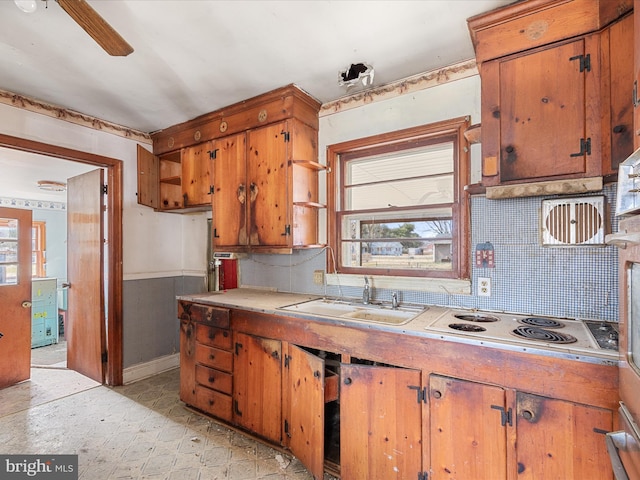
(397, 204)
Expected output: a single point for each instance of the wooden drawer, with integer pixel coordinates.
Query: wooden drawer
(214, 357)
(215, 379)
(213, 336)
(215, 316)
(215, 403)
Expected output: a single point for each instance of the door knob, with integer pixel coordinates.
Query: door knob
(26, 304)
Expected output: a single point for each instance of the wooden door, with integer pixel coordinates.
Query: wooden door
(304, 418)
(542, 113)
(559, 439)
(268, 170)
(148, 179)
(380, 423)
(196, 177)
(257, 386)
(15, 295)
(85, 328)
(468, 440)
(230, 196)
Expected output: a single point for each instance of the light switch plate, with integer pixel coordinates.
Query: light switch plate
(484, 287)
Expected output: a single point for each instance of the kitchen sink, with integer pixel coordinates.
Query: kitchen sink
(353, 310)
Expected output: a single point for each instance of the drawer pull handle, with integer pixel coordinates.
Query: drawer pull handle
(212, 379)
(212, 357)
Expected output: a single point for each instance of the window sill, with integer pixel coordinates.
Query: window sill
(434, 285)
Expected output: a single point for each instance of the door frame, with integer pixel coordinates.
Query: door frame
(114, 277)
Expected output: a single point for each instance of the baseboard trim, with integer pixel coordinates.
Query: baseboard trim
(148, 369)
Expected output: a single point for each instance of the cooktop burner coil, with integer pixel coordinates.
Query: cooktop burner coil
(467, 327)
(477, 317)
(540, 334)
(541, 322)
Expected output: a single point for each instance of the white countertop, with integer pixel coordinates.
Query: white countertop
(424, 325)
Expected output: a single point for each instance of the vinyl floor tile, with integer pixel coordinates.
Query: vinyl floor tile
(137, 431)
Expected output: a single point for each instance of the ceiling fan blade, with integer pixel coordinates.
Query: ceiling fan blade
(96, 27)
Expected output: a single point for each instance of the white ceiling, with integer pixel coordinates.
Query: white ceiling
(195, 56)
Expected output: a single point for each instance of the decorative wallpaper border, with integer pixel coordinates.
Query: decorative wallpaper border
(33, 105)
(32, 204)
(415, 83)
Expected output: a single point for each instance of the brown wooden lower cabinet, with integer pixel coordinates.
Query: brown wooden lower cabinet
(368, 419)
(257, 389)
(485, 431)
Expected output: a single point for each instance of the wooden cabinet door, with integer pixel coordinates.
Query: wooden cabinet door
(267, 186)
(468, 440)
(304, 417)
(619, 38)
(188, 362)
(196, 178)
(542, 113)
(148, 180)
(230, 196)
(257, 388)
(380, 423)
(559, 439)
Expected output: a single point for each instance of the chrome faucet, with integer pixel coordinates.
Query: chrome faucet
(366, 292)
(394, 300)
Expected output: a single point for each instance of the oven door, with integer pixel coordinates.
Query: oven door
(623, 445)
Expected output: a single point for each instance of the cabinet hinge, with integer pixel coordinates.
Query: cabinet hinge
(213, 154)
(286, 428)
(421, 393)
(423, 476)
(236, 409)
(505, 415)
(104, 357)
(287, 231)
(287, 359)
(585, 62)
(211, 190)
(286, 136)
(238, 347)
(105, 189)
(585, 148)
(215, 233)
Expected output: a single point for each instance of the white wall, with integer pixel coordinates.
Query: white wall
(154, 243)
(442, 102)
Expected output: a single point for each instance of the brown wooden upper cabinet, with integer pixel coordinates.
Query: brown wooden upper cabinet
(556, 91)
(254, 163)
(175, 181)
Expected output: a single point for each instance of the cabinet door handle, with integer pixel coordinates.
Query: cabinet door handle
(242, 193)
(253, 192)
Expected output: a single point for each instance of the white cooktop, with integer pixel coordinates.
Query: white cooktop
(499, 327)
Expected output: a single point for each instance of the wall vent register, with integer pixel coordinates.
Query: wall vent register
(573, 221)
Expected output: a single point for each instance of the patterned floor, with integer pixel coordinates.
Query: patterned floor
(140, 431)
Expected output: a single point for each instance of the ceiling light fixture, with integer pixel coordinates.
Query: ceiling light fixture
(27, 6)
(52, 186)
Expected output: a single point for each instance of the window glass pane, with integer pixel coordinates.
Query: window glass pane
(400, 193)
(8, 251)
(419, 162)
(395, 244)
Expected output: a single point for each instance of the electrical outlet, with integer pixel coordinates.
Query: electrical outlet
(318, 277)
(484, 287)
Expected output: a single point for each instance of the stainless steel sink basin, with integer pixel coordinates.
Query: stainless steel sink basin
(352, 310)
